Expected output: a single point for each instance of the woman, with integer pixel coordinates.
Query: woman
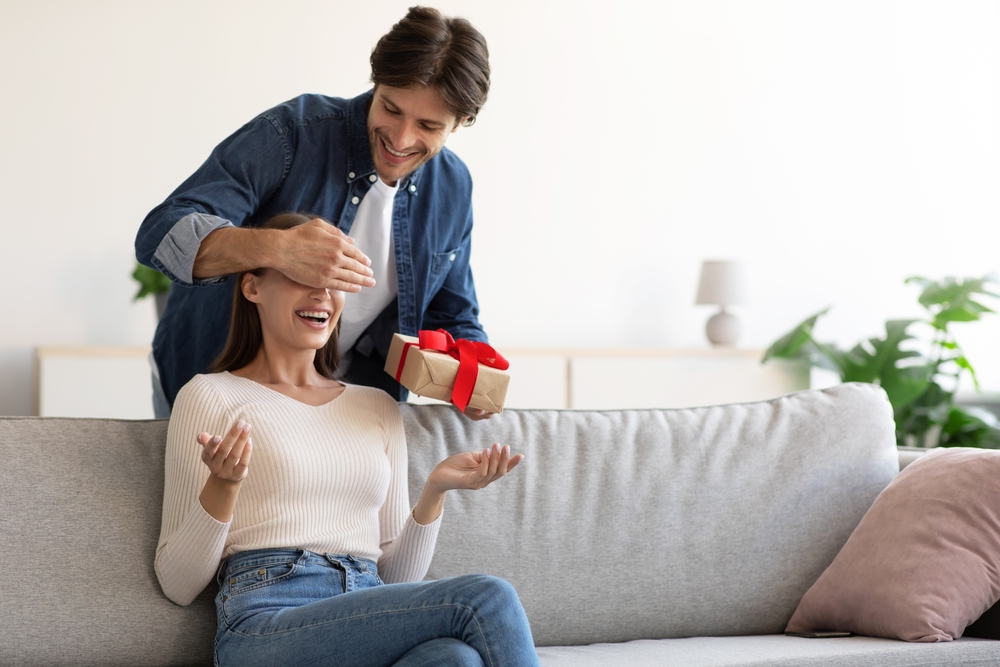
(310, 513)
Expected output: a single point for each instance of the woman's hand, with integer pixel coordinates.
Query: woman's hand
(471, 470)
(229, 459)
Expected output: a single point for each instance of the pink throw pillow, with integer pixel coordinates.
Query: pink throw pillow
(924, 562)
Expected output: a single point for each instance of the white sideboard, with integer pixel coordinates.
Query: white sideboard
(95, 381)
(609, 379)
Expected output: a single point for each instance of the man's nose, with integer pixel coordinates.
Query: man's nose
(406, 136)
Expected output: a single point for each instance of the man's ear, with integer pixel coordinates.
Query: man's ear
(250, 287)
(460, 123)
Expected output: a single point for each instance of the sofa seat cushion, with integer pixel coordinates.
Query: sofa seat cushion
(774, 651)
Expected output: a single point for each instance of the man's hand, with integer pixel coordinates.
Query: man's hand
(475, 414)
(320, 255)
(316, 254)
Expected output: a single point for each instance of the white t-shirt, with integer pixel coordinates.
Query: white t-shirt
(372, 232)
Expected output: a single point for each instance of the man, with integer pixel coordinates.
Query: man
(376, 167)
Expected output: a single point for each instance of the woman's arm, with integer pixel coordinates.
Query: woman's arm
(191, 539)
(408, 537)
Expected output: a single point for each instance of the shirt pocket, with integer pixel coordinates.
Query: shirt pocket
(441, 261)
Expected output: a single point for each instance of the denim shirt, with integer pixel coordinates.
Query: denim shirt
(311, 154)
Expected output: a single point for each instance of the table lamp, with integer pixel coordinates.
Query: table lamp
(722, 284)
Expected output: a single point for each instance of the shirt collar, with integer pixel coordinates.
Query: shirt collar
(359, 153)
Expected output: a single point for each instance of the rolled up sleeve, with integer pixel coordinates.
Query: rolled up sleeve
(175, 255)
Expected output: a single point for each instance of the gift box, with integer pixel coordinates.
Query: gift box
(462, 372)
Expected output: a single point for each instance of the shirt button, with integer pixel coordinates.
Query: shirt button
(355, 200)
(413, 188)
(452, 257)
(351, 175)
(373, 178)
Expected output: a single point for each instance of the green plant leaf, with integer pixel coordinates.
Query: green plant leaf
(969, 427)
(799, 344)
(918, 417)
(951, 300)
(879, 362)
(962, 362)
(150, 281)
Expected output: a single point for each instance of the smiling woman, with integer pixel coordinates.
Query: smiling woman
(245, 334)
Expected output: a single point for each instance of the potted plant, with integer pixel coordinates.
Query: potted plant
(920, 380)
(152, 282)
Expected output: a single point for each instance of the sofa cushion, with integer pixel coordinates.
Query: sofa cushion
(631, 524)
(774, 651)
(924, 562)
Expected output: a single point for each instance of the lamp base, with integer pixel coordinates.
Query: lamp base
(723, 328)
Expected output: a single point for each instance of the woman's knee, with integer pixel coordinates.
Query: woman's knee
(444, 652)
(485, 592)
(491, 586)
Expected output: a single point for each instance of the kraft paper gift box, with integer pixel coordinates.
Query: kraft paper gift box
(432, 374)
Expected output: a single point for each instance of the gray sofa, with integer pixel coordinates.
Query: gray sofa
(635, 538)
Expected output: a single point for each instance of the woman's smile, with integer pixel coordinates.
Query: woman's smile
(315, 318)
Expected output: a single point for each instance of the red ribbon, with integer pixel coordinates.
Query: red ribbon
(469, 354)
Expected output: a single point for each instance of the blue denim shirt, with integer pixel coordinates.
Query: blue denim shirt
(311, 154)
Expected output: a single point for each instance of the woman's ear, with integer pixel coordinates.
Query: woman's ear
(250, 287)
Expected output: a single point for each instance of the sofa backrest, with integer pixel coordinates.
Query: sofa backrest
(79, 523)
(631, 524)
(619, 525)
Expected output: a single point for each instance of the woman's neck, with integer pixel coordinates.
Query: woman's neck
(283, 367)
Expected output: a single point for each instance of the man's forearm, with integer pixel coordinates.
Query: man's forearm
(234, 249)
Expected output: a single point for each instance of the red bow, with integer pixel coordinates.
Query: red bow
(469, 354)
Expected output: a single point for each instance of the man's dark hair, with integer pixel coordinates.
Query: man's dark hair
(428, 49)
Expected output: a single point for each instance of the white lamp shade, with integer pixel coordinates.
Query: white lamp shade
(722, 283)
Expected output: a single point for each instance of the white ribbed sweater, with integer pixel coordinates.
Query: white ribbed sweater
(331, 479)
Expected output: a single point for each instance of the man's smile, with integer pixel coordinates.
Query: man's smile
(393, 156)
(396, 153)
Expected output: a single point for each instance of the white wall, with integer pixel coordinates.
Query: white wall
(836, 146)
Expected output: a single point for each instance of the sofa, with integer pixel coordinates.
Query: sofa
(635, 538)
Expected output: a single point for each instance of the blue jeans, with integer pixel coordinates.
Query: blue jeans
(296, 607)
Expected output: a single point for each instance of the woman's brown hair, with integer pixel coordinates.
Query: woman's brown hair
(428, 49)
(245, 334)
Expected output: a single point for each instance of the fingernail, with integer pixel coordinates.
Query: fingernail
(246, 428)
(506, 450)
(240, 424)
(216, 439)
